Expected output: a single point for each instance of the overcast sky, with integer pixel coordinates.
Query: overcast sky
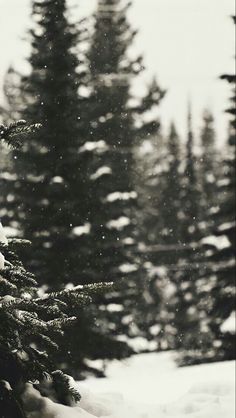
(186, 44)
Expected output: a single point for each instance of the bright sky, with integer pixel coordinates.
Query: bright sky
(187, 44)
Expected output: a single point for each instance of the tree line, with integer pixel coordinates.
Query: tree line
(99, 206)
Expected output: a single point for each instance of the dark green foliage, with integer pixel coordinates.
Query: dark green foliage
(160, 214)
(118, 124)
(113, 121)
(15, 134)
(172, 218)
(61, 194)
(28, 322)
(216, 253)
(218, 298)
(187, 320)
(50, 190)
(32, 324)
(172, 189)
(209, 162)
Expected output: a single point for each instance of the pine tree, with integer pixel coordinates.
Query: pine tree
(113, 121)
(50, 190)
(186, 320)
(116, 126)
(218, 276)
(58, 182)
(209, 168)
(85, 233)
(160, 219)
(161, 185)
(170, 251)
(173, 270)
(29, 322)
(172, 189)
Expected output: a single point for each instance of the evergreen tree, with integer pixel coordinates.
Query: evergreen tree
(160, 219)
(217, 290)
(50, 190)
(173, 278)
(172, 189)
(29, 322)
(186, 320)
(116, 126)
(160, 179)
(113, 121)
(75, 178)
(171, 253)
(49, 194)
(209, 160)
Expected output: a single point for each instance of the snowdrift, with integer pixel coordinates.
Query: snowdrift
(149, 386)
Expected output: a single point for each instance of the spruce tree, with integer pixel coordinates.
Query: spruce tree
(113, 121)
(81, 225)
(209, 167)
(29, 322)
(172, 189)
(110, 205)
(186, 320)
(52, 193)
(50, 190)
(173, 270)
(218, 277)
(116, 126)
(160, 219)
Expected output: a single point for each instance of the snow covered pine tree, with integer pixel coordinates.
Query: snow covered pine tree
(29, 322)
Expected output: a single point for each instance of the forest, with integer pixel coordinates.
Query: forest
(117, 238)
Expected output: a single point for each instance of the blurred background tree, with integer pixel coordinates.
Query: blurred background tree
(106, 195)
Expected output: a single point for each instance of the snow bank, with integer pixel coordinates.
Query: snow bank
(153, 387)
(38, 406)
(148, 386)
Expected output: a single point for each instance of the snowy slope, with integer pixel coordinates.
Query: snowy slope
(150, 386)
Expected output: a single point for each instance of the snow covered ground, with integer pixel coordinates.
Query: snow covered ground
(151, 386)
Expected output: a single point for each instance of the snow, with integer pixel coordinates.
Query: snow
(115, 307)
(2, 261)
(128, 268)
(42, 407)
(99, 146)
(138, 344)
(147, 386)
(119, 223)
(101, 172)
(112, 197)
(11, 231)
(82, 229)
(8, 176)
(220, 242)
(230, 324)
(57, 179)
(128, 241)
(3, 237)
(227, 225)
(153, 387)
